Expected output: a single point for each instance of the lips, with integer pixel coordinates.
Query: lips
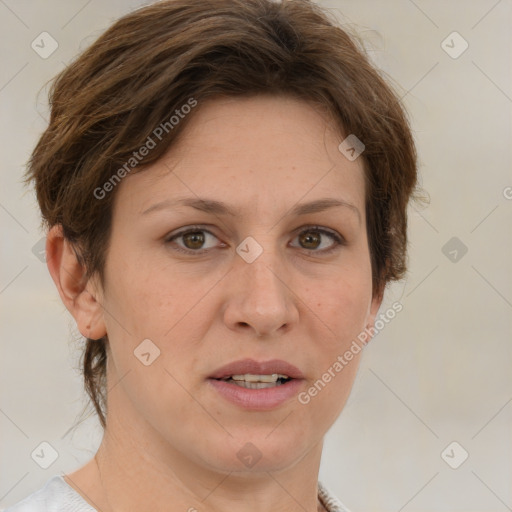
(250, 366)
(282, 383)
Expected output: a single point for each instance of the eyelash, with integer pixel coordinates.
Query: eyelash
(339, 241)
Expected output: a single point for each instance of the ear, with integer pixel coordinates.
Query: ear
(81, 297)
(372, 314)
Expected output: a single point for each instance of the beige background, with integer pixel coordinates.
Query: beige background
(439, 372)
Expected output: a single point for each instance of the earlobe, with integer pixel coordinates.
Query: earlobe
(374, 309)
(375, 306)
(81, 297)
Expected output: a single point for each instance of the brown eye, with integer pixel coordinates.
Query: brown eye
(312, 239)
(193, 239)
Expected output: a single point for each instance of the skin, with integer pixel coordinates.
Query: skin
(171, 441)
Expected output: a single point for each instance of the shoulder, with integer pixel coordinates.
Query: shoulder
(329, 500)
(55, 496)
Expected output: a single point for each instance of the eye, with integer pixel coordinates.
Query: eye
(311, 239)
(193, 238)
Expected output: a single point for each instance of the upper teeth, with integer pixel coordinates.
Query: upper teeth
(250, 377)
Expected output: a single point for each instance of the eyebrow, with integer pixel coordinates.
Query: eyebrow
(220, 208)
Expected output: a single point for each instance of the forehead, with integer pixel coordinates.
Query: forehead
(255, 153)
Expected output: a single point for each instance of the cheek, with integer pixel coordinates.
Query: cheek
(340, 314)
(144, 294)
(165, 305)
(342, 303)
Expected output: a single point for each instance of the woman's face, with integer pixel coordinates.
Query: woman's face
(259, 277)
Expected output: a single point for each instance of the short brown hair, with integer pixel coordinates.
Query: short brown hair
(106, 104)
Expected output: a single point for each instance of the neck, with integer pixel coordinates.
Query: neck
(131, 478)
(139, 468)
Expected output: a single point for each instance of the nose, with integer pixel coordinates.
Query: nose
(260, 299)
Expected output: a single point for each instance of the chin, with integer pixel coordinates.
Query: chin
(257, 450)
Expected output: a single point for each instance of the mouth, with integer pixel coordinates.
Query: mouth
(250, 370)
(252, 381)
(257, 385)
